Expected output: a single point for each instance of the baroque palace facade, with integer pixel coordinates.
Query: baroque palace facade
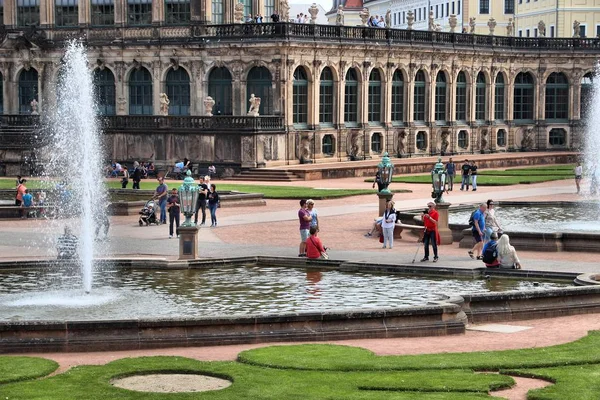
(327, 92)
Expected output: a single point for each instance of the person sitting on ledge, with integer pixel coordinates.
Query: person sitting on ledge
(314, 246)
(490, 252)
(507, 255)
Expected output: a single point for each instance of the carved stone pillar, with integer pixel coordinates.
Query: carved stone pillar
(509, 97)
(575, 100)
(120, 12)
(386, 107)
(10, 13)
(83, 8)
(157, 86)
(46, 13)
(340, 90)
(539, 99)
(158, 17)
(121, 92)
(490, 89)
(410, 95)
(363, 96)
(451, 98)
(11, 90)
(313, 112)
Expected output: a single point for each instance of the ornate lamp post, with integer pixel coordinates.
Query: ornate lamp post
(385, 170)
(438, 182)
(188, 231)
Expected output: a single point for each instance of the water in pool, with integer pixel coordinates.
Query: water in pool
(231, 291)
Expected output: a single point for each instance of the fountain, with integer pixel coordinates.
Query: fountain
(75, 154)
(591, 161)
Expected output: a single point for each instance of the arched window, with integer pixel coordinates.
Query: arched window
(480, 98)
(586, 95)
(557, 137)
(440, 97)
(28, 12)
(523, 97)
(501, 138)
(351, 98)
(219, 88)
(103, 12)
(177, 12)
(217, 11)
(374, 112)
(326, 97)
(139, 12)
(260, 84)
(557, 97)
(419, 97)
(247, 7)
(463, 140)
(328, 145)
(499, 98)
(104, 82)
(461, 97)
(421, 141)
(397, 98)
(376, 140)
(66, 13)
(178, 90)
(300, 98)
(28, 90)
(140, 92)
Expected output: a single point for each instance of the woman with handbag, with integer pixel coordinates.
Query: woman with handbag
(314, 246)
(213, 204)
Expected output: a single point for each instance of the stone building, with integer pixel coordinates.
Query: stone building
(327, 92)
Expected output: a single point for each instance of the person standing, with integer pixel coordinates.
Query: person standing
(125, 179)
(578, 176)
(137, 175)
(466, 171)
(478, 231)
(430, 220)
(174, 208)
(201, 202)
(27, 203)
(213, 204)
(491, 223)
(310, 206)
(473, 175)
(451, 173)
(388, 223)
(304, 218)
(20, 192)
(160, 194)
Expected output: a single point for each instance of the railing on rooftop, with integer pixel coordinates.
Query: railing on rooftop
(306, 32)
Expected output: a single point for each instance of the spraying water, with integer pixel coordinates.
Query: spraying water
(592, 135)
(76, 156)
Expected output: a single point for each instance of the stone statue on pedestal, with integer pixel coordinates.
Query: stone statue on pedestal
(492, 25)
(364, 16)
(209, 103)
(452, 21)
(472, 25)
(34, 107)
(254, 106)
(527, 141)
(431, 24)
(542, 29)
(284, 10)
(313, 10)
(164, 104)
(388, 18)
(238, 13)
(510, 28)
(339, 16)
(576, 29)
(410, 20)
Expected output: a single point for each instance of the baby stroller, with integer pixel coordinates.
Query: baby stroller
(148, 214)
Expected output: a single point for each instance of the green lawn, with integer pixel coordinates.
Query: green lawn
(269, 191)
(328, 372)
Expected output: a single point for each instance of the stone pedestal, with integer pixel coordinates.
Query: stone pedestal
(188, 242)
(445, 232)
(383, 198)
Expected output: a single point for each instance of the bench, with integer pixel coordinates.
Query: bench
(31, 212)
(399, 227)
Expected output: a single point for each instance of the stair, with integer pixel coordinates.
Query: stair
(267, 175)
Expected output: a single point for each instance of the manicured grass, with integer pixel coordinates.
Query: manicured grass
(14, 369)
(269, 191)
(486, 180)
(328, 372)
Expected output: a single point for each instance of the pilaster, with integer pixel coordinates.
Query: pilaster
(120, 12)
(158, 18)
(46, 13)
(10, 13)
(83, 8)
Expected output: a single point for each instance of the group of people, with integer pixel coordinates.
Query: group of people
(376, 21)
(310, 243)
(491, 245)
(171, 204)
(140, 171)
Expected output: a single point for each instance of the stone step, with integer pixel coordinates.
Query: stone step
(273, 175)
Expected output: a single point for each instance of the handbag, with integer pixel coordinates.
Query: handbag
(324, 255)
(381, 238)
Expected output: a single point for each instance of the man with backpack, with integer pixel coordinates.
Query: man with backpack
(490, 252)
(477, 222)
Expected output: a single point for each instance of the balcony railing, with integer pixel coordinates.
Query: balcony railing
(192, 124)
(207, 34)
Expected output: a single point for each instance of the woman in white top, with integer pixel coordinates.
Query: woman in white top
(491, 223)
(388, 223)
(507, 255)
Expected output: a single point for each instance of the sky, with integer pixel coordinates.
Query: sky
(326, 4)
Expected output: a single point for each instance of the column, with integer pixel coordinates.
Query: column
(363, 97)
(575, 101)
(157, 86)
(10, 13)
(46, 13)
(540, 101)
(313, 93)
(430, 99)
(83, 8)
(120, 12)
(338, 102)
(409, 108)
(490, 100)
(158, 14)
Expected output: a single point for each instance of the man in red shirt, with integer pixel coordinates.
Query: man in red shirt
(430, 220)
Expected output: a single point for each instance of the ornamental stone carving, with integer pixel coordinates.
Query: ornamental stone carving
(209, 103)
(431, 24)
(472, 25)
(510, 28)
(238, 13)
(492, 25)
(410, 20)
(164, 104)
(542, 29)
(284, 10)
(313, 10)
(364, 16)
(339, 16)
(452, 21)
(576, 29)
(254, 105)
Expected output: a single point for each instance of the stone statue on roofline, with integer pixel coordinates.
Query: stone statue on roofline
(339, 16)
(472, 22)
(238, 13)
(164, 104)
(576, 29)
(510, 28)
(541, 29)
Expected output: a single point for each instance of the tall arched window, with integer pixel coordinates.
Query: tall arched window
(177, 12)
(397, 97)
(260, 84)
(104, 82)
(461, 97)
(219, 88)
(217, 11)
(557, 97)
(28, 12)
(140, 92)
(178, 90)
(499, 106)
(480, 97)
(523, 97)
(66, 13)
(374, 111)
(586, 95)
(326, 97)
(419, 97)
(28, 90)
(247, 7)
(300, 98)
(440, 97)
(351, 98)
(139, 12)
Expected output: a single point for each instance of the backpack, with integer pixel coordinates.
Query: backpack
(472, 219)
(490, 254)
